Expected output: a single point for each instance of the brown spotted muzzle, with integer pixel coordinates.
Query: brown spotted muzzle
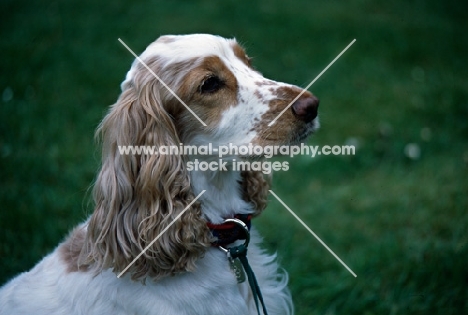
(306, 108)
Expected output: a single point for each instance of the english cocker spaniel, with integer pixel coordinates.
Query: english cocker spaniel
(148, 249)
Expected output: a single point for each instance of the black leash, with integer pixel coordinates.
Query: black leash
(239, 253)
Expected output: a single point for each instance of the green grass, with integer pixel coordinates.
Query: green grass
(400, 224)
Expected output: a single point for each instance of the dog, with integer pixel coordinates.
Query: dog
(154, 244)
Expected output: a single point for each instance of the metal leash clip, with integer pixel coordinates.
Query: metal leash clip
(235, 263)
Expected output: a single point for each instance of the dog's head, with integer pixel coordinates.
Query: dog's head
(214, 77)
(138, 196)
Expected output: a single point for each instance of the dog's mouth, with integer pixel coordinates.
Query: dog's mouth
(302, 134)
(297, 137)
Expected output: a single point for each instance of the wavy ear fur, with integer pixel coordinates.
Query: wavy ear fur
(255, 187)
(137, 196)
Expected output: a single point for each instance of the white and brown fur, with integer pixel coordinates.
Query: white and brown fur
(137, 196)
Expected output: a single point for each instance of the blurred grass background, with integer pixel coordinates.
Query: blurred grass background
(397, 218)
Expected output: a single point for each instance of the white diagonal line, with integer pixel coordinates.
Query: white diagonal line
(311, 232)
(162, 82)
(310, 84)
(159, 235)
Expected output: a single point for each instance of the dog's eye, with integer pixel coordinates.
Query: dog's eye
(211, 85)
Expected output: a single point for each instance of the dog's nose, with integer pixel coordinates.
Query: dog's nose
(306, 108)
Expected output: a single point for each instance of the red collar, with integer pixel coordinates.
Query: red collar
(229, 232)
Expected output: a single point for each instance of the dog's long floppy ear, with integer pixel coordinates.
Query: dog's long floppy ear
(255, 187)
(138, 195)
